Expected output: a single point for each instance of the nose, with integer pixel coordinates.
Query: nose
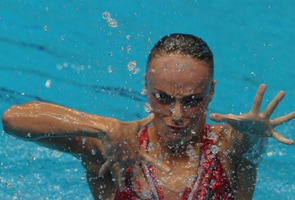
(177, 114)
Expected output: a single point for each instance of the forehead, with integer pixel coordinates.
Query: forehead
(177, 73)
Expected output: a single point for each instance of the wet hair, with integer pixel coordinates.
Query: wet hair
(183, 44)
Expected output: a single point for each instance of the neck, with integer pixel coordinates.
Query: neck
(179, 150)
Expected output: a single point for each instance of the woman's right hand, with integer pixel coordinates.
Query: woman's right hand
(123, 150)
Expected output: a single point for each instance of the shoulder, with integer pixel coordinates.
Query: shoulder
(223, 131)
(228, 139)
(226, 132)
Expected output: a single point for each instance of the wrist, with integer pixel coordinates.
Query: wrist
(256, 148)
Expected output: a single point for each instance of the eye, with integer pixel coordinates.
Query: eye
(191, 101)
(163, 98)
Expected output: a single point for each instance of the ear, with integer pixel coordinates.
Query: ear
(212, 89)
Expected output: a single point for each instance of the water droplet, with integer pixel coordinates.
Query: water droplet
(226, 152)
(135, 71)
(253, 74)
(128, 48)
(157, 95)
(150, 147)
(84, 140)
(29, 135)
(112, 23)
(226, 131)
(131, 65)
(147, 107)
(214, 149)
(212, 182)
(45, 28)
(110, 69)
(93, 152)
(48, 83)
(59, 66)
(128, 37)
(193, 132)
(153, 70)
(143, 92)
(106, 15)
(212, 136)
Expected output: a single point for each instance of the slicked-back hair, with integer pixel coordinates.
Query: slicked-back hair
(183, 44)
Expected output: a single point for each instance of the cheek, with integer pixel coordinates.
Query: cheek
(196, 113)
(159, 108)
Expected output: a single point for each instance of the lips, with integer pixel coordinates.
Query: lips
(176, 128)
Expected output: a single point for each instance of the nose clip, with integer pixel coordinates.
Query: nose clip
(177, 121)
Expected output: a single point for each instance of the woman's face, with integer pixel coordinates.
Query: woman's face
(179, 89)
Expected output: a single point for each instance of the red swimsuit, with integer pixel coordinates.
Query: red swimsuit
(210, 183)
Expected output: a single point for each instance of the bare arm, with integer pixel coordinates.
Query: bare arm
(52, 125)
(255, 127)
(36, 120)
(247, 140)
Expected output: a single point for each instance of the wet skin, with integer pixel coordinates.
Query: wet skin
(179, 89)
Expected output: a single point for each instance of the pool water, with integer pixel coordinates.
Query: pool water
(91, 55)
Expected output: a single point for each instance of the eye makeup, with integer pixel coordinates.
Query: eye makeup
(186, 101)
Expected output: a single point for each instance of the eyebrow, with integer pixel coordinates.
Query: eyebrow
(186, 96)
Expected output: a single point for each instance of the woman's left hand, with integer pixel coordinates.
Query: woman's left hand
(256, 122)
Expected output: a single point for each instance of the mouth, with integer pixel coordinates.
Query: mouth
(176, 128)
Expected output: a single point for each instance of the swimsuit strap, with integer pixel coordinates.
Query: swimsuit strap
(150, 173)
(210, 182)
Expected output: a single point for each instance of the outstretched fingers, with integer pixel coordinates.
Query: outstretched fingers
(258, 99)
(283, 119)
(156, 163)
(105, 166)
(281, 138)
(224, 117)
(273, 104)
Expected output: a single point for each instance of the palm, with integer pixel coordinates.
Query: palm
(256, 122)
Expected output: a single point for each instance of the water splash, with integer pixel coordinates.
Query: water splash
(147, 107)
(111, 21)
(131, 65)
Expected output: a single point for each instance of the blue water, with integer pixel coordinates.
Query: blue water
(67, 53)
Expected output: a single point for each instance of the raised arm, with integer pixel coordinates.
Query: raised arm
(247, 140)
(257, 126)
(39, 120)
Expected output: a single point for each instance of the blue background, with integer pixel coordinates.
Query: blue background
(71, 46)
